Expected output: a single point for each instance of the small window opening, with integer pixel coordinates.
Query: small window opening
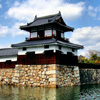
(24, 48)
(46, 46)
(58, 34)
(59, 47)
(41, 33)
(73, 49)
(8, 61)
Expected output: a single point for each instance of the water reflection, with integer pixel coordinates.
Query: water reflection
(90, 92)
(86, 92)
(27, 93)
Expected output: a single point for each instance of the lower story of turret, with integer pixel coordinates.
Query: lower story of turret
(37, 59)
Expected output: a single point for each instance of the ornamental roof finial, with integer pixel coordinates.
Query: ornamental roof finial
(59, 12)
(35, 17)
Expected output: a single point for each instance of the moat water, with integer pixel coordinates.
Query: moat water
(86, 92)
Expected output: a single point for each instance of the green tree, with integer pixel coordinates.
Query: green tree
(92, 59)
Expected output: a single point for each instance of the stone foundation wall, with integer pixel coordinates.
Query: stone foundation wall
(51, 75)
(89, 76)
(35, 75)
(68, 75)
(6, 75)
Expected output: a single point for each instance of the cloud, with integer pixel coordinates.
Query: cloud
(0, 6)
(13, 31)
(26, 10)
(87, 36)
(3, 30)
(93, 11)
(90, 8)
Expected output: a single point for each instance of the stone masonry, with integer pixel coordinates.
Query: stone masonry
(51, 75)
(89, 76)
(68, 75)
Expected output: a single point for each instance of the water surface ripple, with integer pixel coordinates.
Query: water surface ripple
(86, 92)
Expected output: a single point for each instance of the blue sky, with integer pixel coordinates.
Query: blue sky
(83, 15)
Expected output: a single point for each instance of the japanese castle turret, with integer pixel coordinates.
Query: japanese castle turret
(42, 54)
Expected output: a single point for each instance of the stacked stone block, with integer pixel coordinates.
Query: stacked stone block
(51, 75)
(35, 75)
(89, 76)
(68, 75)
(6, 76)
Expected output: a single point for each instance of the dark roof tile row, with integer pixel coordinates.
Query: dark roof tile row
(8, 52)
(47, 41)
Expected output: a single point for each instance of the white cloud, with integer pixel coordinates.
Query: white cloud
(87, 36)
(13, 31)
(16, 3)
(93, 14)
(3, 30)
(0, 6)
(29, 8)
(93, 11)
(90, 8)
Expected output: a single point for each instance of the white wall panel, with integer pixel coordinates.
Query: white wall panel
(65, 50)
(12, 58)
(41, 49)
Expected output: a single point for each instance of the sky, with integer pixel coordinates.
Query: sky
(82, 15)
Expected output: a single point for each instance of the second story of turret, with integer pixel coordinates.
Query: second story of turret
(47, 27)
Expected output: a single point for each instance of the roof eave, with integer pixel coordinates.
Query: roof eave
(28, 27)
(8, 56)
(52, 43)
(67, 28)
(76, 47)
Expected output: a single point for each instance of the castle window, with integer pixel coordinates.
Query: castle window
(59, 47)
(62, 35)
(33, 34)
(46, 46)
(41, 33)
(73, 49)
(54, 32)
(58, 34)
(24, 48)
(47, 33)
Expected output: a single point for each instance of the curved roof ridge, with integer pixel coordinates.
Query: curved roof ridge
(53, 15)
(44, 17)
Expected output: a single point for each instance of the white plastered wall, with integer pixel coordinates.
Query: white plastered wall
(66, 49)
(41, 49)
(12, 58)
(38, 50)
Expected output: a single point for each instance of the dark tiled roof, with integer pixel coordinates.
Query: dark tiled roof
(47, 41)
(45, 20)
(8, 52)
(70, 44)
(32, 43)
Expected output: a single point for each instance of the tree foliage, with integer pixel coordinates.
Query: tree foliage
(92, 59)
